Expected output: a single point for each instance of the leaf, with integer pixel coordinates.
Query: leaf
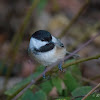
(65, 92)
(40, 95)
(81, 91)
(69, 61)
(40, 69)
(46, 86)
(76, 70)
(57, 83)
(64, 98)
(19, 86)
(28, 95)
(94, 96)
(70, 81)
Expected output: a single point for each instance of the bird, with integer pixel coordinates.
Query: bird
(46, 49)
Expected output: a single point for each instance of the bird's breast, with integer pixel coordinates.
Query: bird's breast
(50, 57)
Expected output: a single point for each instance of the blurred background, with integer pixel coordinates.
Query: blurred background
(73, 21)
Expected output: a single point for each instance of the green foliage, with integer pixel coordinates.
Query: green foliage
(73, 88)
(82, 91)
(28, 95)
(57, 83)
(94, 96)
(65, 98)
(70, 82)
(40, 95)
(65, 92)
(21, 85)
(46, 86)
(40, 69)
(75, 70)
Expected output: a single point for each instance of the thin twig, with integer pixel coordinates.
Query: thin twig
(81, 60)
(91, 92)
(51, 67)
(81, 47)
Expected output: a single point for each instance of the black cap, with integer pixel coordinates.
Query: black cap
(42, 35)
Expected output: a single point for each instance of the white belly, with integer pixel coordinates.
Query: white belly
(50, 57)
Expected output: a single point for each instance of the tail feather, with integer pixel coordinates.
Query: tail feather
(75, 56)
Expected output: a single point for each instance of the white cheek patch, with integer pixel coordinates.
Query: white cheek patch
(34, 43)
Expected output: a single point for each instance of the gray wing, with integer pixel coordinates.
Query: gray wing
(60, 45)
(57, 42)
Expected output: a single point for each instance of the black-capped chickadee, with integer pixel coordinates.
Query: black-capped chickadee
(46, 49)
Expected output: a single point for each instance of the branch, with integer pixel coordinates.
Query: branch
(91, 91)
(81, 47)
(81, 60)
(65, 66)
(76, 62)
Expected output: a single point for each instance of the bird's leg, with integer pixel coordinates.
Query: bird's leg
(60, 66)
(44, 76)
(44, 73)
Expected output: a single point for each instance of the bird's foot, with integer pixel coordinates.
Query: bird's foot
(44, 76)
(60, 66)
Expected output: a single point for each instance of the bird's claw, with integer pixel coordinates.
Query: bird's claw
(44, 76)
(60, 66)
